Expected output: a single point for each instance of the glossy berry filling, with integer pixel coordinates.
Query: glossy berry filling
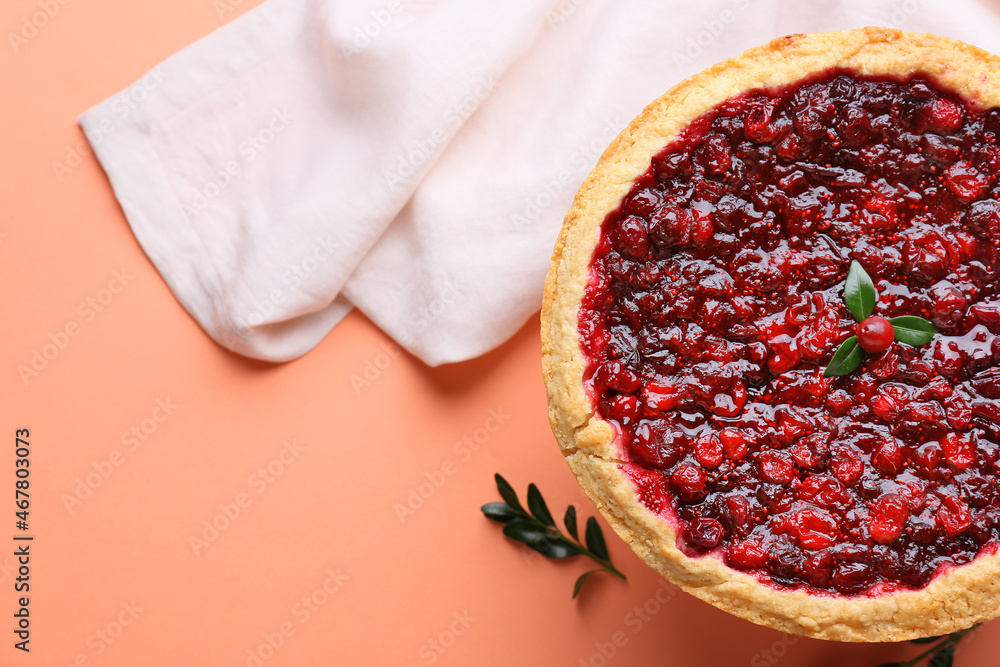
(715, 302)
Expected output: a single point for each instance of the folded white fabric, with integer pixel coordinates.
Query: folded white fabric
(413, 158)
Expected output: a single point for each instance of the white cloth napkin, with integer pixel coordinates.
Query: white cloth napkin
(412, 158)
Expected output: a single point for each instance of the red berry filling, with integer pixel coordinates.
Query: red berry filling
(716, 300)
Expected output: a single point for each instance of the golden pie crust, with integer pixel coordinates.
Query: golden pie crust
(952, 601)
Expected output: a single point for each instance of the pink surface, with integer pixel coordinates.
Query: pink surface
(144, 433)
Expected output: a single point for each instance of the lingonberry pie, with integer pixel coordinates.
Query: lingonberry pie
(696, 296)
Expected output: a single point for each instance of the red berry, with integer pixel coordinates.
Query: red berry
(942, 115)
(746, 555)
(704, 533)
(718, 153)
(965, 181)
(813, 529)
(958, 450)
(618, 376)
(776, 468)
(734, 442)
(954, 515)
(875, 334)
(688, 482)
(623, 408)
(887, 517)
(708, 450)
(889, 457)
(846, 466)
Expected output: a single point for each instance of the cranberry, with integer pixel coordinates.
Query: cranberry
(715, 302)
(746, 555)
(704, 533)
(958, 450)
(718, 154)
(623, 408)
(630, 238)
(889, 457)
(739, 513)
(758, 123)
(734, 443)
(775, 467)
(851, 578)
(708, 450)
(688, 482)
(965, 181)
(983, 217)
(887, 518)
(812, 529)
(939, 150)
(954, 515)
(618, 376)
(942, 115)
(875, 334)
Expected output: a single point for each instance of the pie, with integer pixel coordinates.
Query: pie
(696, 295)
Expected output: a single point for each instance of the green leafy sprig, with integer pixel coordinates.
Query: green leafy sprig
(860, 296)
(942, 654)
(537, 529)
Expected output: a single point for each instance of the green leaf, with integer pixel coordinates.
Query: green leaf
(560, 549)
(539, 539)
(579, 582)
(526, 533)
(846, 359)
(912, 330)
(943, 658)
(501, 512)
(859, 292)
(595, 539)
(570, 521)
(507, 492)
(538, 507)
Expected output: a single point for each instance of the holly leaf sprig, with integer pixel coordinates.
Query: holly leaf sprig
(537, 529)
(861, 297)
(942, 654)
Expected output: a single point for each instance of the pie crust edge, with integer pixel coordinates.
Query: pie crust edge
(953, 600)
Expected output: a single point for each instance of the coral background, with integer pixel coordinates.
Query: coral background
(343, 487)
